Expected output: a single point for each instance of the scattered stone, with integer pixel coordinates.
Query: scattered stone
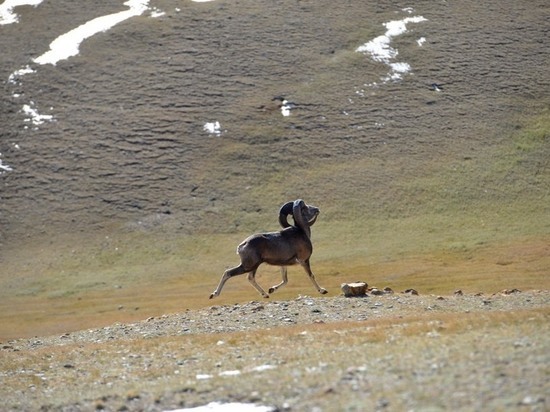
(131, 396)
(531, 400)
(458, 292)
(411, 292)
(510, 291)
(354, 289)
(440, 298)
(382, 403)
(376, 291)
(329, 390)
(388, 290)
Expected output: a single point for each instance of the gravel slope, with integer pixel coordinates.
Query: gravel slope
(394, 352)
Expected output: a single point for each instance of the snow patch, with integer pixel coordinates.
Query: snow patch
(262, 368)
(7, 16)
(228, 407)
(380, 50)
(67, 44)
(16, 75)
(3, 167)
(213, 128)
(33, 116)
(230, 373)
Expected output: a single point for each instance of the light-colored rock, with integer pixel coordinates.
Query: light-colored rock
(354, 289)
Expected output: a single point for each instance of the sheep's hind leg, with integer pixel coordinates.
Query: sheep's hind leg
(283, 282)
(252, 280)
(229, 273)
(307, 268)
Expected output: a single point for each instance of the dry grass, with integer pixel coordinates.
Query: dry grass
(165, 370)
(121, 283)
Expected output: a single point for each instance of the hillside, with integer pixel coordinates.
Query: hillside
(124, 207)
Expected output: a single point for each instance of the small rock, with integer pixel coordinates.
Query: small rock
(354, 289)
(376, 291)
(388, 290)
(440, 298)
(531, 400)
(510, 291)
(458, 292)
(411, 292)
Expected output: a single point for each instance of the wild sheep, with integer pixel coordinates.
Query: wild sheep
(289, 246)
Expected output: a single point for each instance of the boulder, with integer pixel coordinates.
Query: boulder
(354, 289)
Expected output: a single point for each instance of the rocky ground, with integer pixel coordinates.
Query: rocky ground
(396, 352)
(127, 151)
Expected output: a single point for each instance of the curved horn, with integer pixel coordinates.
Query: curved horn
(299, 217)
(285, 210)
(312, 221)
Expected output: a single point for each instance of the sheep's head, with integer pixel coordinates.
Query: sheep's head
(308, 212)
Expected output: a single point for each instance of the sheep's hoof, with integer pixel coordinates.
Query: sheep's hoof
(323, 291)
(271, 290)
(212, 295)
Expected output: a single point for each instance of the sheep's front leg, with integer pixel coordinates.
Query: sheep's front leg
(283, 282)
(252, 280)
(307, 268)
